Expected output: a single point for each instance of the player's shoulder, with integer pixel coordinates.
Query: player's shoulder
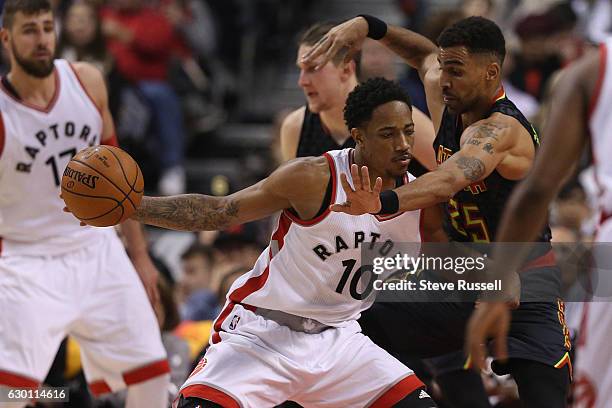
(91, 78)
(293, 121)
(307, 166)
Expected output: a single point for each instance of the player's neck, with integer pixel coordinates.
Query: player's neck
(333, 120)
(481, 109)
(388, 182)
(30, 89)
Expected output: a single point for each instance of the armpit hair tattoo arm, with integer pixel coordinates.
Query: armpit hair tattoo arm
(188, 212)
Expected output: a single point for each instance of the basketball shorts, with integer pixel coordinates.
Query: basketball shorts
(260, 363)
(92, 294)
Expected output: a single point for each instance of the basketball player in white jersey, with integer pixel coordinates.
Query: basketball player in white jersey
(56, 277)
(289, 328)
(319, 125)
(580, 112)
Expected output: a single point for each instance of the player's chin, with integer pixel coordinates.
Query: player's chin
(399, 168)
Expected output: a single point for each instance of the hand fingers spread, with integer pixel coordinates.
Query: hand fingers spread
(318, 49)
(356, 176)
(345, 184)
(365, 179)
(344, 207)
(378, 185)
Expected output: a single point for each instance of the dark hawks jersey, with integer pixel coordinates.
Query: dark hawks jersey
(314, 138)
(473, 214)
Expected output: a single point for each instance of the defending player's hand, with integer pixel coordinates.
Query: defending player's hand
(490, 320)
(347, 37)
(364, 198)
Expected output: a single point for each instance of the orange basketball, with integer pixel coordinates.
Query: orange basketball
(102, 186)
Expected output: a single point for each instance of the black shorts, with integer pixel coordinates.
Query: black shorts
(430, 329)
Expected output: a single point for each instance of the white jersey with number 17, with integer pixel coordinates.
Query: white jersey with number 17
(36, 144)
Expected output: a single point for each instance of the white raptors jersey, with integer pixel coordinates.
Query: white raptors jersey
(35, 146)
(600, 126)
(313, 268)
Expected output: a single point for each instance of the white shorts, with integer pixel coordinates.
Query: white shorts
(93, 294)
(259, 363)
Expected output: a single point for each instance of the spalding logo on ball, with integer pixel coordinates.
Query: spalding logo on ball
(102, 186)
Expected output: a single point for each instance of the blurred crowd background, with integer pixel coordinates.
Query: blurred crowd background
(199, 92)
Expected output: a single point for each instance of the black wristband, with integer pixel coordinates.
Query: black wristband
(389, 202)
(376, 27)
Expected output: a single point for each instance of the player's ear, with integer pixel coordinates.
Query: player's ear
(493, 71)
(357, 135)
(4, 34)
(348, 69)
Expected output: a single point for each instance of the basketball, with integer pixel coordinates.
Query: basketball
(102, 186)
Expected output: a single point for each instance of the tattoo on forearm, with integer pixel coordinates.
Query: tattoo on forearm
(488, 147)
(188, 212)
(473, 168)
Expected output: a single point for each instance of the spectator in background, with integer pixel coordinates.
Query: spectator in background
(195, 287)
(538, 58)
(143, 41)
(81, 38)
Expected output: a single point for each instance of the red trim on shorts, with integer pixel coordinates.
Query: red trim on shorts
(210, 394)
(398, 392)
(600, 79)
(86, 91)
(217, 326)
(111, 141)
(548, 259)
(2, 136)
(309, 223)
(254, 283)
(51, 103)
(99, 387)
(146, 372)
(17, 380)
(0, 245)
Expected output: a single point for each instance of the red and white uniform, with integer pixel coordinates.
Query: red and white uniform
(593, 379)
(56, 277)
(311, 270)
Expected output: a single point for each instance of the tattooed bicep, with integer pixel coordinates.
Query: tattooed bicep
(484, 135)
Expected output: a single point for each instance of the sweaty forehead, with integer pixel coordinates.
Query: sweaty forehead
(450, 55)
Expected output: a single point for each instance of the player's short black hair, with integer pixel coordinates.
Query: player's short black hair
(28, 7)
(369, 95)
(478, 34)
(316, 31)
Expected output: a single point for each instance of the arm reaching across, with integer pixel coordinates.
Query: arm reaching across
(299, 184)
(486, 145)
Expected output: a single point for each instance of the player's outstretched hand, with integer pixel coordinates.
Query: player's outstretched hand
(347, 37)
(489, 320)
(68, 211)
(364, 198)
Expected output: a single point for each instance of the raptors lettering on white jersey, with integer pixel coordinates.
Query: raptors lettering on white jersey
(35, 147)
(309, 266)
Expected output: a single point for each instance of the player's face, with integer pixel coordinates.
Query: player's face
(31, 42)
(321, 87)
(463, 78)
(389, 139)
